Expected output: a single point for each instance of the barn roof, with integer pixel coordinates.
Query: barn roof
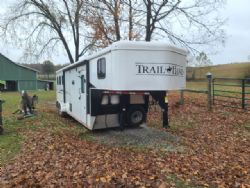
(10, 61)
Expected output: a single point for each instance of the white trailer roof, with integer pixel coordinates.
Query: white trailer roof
(143, 45)
(131, 45)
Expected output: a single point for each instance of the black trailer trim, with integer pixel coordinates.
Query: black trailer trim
(64, 88)
(87, 86)
(76, 65)
(98, 109)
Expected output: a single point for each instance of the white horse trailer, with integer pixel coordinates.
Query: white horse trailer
(111, 88)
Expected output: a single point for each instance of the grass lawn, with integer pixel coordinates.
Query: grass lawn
(10, 141)
(202, 85)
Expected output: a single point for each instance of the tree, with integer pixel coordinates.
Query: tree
(48, 68)
(134, 17)
(104, 21)
(202, 60)
(187, 23)
(112, 20)
(155, 12)
(199, 62)
(44, 25)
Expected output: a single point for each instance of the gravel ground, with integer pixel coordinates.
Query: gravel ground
(142, 137)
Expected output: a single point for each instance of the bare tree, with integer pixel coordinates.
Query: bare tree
(43, 25)
(104, 20)
(113, 20)
(188, 23)
(134, 18)
(202, 60)
(155, 12)
(201, 63)
(130, 20)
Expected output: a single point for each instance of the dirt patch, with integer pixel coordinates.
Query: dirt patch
(141, 137)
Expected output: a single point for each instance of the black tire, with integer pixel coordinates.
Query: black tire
(136, 115)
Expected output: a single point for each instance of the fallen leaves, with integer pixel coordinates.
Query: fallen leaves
(220, 144)
(85, 164)
(218, 155)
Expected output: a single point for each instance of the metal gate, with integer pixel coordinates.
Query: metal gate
(232, 92)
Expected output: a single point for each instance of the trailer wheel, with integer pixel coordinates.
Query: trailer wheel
(136, 115)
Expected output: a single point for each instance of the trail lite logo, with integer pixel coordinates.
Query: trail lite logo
(163, 69)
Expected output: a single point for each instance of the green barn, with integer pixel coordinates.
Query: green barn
(16, 77)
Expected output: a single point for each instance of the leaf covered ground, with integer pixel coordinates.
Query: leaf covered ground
(57, 152)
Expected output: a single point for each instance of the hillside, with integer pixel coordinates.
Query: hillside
(234, 70)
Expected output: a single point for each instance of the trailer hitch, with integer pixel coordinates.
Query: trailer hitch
(162, 99)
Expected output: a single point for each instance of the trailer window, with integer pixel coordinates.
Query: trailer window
(60, 80)
(101, 68)
(82, 84)
(63, 80)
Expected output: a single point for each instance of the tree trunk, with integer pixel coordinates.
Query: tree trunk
(148, 22)
(130, 34)
(77, 43)
(116, 20)
(65, 44)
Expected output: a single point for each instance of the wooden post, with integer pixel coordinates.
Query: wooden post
(165, 122)
(209, 90)
(182, 97)
(243, 93)
(1, 117)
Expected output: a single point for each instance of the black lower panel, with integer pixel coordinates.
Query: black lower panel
(98, 109)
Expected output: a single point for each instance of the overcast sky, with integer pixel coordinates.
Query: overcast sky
(236, 49)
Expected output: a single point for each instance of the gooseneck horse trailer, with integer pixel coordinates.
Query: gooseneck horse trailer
(111, 88)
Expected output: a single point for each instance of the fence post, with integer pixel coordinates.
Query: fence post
(213, 91)
(209, 91)
(181, 97)
(243, 93)
(1, 117)
(165, 122)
